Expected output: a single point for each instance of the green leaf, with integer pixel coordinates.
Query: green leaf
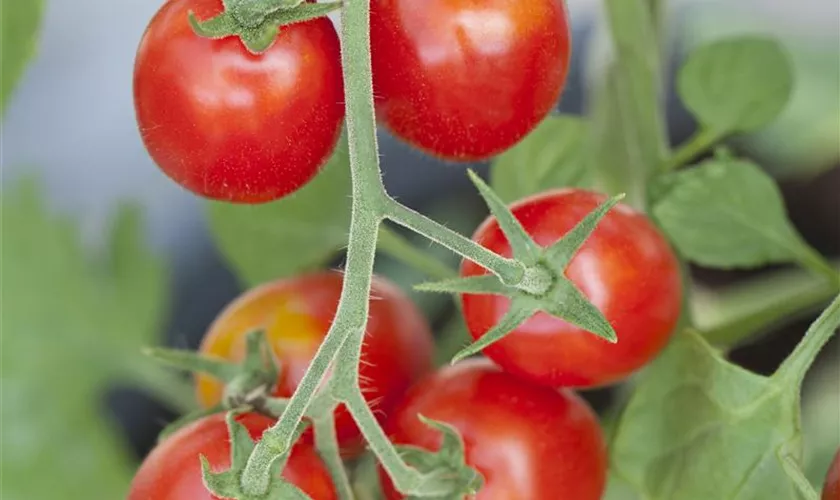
(627, 132)
(737, 84)
(300, 232)
(728, 214)
(19, 23)
(699, 427)
(72, 325)
(552, 156)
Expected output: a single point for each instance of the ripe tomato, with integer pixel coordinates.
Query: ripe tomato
(626, 269)
(296, 314)
(228, 124)
(172, 471)
(465, 80)
(529, 442)
(831, 489)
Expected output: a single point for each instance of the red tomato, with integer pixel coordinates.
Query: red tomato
(465, 80)
(296, 314)
(172, 471)
(831, 490)
(228, 124)
(626, 269)
(529, 442)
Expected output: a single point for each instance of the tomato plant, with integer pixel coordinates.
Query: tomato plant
(626, 269)
(528, 442)
(831, 488)
(242, 101)
(464, 80)
(173, 472)
(231, 125)
(296, 313)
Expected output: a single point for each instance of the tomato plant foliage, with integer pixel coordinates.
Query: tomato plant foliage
(116, 309)
(694, 426)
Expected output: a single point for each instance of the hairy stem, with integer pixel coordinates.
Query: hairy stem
(351, 315)
(509, 271)
(326, 442)
(347, 390)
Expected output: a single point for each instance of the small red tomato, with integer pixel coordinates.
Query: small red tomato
(296, 314)
(463, 79)
(529, 442)
(172, 471)
(626, 269)
(231, 125)
(831, 489)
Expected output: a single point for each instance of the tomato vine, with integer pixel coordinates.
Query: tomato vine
(627, 111)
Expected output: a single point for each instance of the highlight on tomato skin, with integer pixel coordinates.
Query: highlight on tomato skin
(627, 270)
(230, 125)
(296, 313)
(831, 489)
(529, 442)
(172, 471)
(465, 80)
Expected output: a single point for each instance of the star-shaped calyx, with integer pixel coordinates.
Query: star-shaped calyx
(543, 285)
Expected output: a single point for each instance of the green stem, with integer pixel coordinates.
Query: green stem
(699, 143)
(509, 271)
(326, 442)
(399, 248)
(404, 477)
(734, 315)
(167, 386)
(351, 315)
(819, 333)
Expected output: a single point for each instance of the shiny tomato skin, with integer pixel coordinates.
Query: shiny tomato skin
(464, 79)
(626, 268)
(529, 442)
(231, 125)
(172, 471)
(296, 314)
(831, 489)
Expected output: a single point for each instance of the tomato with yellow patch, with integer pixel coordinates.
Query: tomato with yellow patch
(296, 314)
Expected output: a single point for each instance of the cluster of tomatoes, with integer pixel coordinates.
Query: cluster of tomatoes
(460, 80)
(524, 429)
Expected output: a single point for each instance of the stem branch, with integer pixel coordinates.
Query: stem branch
(820, 332)
(326, 442)
(509, 271)
(699, 143)
(351, 316)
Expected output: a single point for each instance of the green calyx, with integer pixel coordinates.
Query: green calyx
(542, 286)
(226, 484)
(445, 472)
(248, 385)
(258, 23)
